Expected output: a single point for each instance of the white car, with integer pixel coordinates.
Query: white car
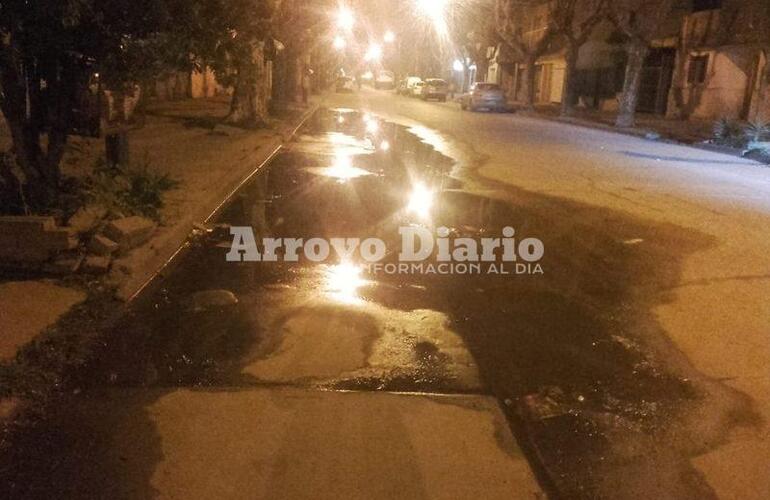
(408, 85)
(416, 90)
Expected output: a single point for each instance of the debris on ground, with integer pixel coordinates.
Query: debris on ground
(130, 232)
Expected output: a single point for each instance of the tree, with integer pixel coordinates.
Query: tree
(300, 26)
(641, 22)
(574, 21)
(516, 23)
(234, 46)
(474, 32)
(50, 51)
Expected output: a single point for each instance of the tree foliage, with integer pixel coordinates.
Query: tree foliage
(52, 50)
(49, 51)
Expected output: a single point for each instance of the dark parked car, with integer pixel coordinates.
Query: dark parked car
(435, 88)
(484, 95)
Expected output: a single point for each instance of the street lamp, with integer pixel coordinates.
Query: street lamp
(389, 37)
(435, 11)
(374, 53)
(345, 19)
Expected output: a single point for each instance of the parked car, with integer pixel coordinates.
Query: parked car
(435, 88)
(367, 78)
(416, 89)
(408, 85)
(345, 84)
(484, 95)
(385, 80)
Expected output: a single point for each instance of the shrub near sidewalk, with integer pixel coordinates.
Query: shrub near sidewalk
(729, 133)
(758, 147)
(753, 138)
(127, 190)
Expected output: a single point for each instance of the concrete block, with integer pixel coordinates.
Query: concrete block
(22, 224)
(61, 239)
(33, 239)
(25, 255)
(96, 264)
(66, 264)
(86, 219)
(130, 232)
(102, 245)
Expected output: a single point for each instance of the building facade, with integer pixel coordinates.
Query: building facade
(709, 61)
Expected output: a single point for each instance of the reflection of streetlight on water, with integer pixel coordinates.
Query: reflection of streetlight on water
(343, 282)
(372, 127)
(420, 200)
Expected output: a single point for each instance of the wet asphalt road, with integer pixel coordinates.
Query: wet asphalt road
(589, 384)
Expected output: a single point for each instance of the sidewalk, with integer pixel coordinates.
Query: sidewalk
(682, 131)
(183, 139)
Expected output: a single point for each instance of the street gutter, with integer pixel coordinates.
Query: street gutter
(14, 406)
(639, 133)
(176, 241)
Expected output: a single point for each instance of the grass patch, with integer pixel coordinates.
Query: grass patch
(135, 190)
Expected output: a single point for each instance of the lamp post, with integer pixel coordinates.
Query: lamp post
(345, 19)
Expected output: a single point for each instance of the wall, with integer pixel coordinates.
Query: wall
(204, 84)
(724, 92)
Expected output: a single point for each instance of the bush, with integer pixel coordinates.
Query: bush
(729, 132)
(128, 190)
(757, 131)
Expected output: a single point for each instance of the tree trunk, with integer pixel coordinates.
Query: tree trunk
(529, 90)
(569, 91)
(11, 193)
(482, 68)
(248, 107)
(29, 112)
(637, 52)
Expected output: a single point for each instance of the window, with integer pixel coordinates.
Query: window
(696, 73)
(700, 5)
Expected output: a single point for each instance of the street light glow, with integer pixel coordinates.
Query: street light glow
(339, 43)
(420, 200)
(345, 19)
(389, 37)
(343, 282)
(458, 65)
(374, 53)
(435, 11)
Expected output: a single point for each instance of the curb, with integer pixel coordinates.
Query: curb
(636, 132)
(175, 241)
(167, 248)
